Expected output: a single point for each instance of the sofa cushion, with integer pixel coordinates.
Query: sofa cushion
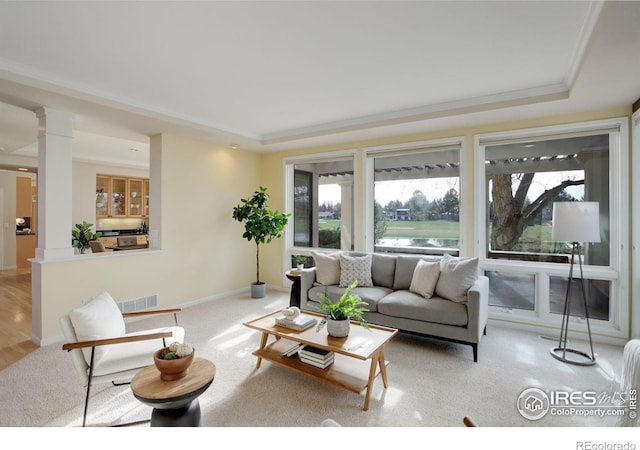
(425, 278)
(457, 275)
(327, 267)
(383, 269)
(405, 265)
(355, 268)
(370, 295)
(99, 318)
(408, 305)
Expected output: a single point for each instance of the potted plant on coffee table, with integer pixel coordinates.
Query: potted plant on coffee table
(261, 225)
(340, 313)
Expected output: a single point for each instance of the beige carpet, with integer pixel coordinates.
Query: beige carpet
(432, 383)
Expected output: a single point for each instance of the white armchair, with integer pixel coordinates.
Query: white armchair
(101, 348)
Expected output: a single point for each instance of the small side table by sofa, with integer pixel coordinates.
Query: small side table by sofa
(294, 299)
(175, 403)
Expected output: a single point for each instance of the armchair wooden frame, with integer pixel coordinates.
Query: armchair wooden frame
(79, 345)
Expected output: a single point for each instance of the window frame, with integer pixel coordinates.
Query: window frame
(617, 272)
(289, 178)
(432, 145)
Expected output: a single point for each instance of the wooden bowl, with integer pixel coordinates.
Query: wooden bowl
(172, 369)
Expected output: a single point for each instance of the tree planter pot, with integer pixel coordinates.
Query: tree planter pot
(258, 290)
(338, 328)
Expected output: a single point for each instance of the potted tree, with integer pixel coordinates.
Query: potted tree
(338, 314)
(261, 226)
(82, 235)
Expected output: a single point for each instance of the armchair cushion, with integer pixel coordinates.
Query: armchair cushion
(134, 355)
(100, 318)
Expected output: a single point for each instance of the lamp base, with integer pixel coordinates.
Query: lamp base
(560, 353)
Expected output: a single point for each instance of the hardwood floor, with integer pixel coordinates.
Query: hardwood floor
(15, 316)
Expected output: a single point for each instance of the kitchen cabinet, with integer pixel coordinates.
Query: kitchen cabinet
(24, 200)
(121, 197)
(25, 249)
(135, 197)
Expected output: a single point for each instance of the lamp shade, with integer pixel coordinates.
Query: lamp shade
(576, 222)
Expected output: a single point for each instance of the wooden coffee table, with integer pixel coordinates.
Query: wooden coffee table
(349, 371)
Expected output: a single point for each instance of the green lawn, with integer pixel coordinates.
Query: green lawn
(442, 229)
(536, 238)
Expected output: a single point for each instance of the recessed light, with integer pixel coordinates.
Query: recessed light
(234, 146)
(23, 169)
(134, 149)
(529, 145)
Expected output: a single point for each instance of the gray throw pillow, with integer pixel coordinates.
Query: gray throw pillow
(457, 275)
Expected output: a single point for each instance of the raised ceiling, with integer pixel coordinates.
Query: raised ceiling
(273, 76)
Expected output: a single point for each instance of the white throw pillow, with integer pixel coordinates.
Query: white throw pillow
(425, 278)
(99, 318)
(355, 268)
(457, 275)
(327, 267)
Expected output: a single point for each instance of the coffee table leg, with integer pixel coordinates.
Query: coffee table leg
(383, 368)
(372, 375)
(263, 343)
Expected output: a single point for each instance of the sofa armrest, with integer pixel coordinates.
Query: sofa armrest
(307, 278)
(478, 306)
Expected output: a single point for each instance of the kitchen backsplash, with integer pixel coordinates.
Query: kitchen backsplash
(119, 224)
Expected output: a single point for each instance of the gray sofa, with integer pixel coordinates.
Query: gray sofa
(392, 299)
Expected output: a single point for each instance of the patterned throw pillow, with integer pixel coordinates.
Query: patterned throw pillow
(327, 268)
(425, 278)
(355, 268)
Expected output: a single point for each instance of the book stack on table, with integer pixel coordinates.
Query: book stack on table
(300, 323)
(316, 356)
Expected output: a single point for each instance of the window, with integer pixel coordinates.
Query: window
(416, 197)
(520, 175)
(321, 201)
(525, 179)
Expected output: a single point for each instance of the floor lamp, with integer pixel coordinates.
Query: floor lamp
(575, 222)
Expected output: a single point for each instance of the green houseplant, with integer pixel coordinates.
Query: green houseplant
(82, 235)
(261, 225)
(338, 314)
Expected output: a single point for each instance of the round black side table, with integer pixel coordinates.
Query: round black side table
(175, 403)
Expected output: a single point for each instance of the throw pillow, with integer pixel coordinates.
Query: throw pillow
(457, 275)
(99, 318)
(327, 267)
(355, 268)
(425, 278)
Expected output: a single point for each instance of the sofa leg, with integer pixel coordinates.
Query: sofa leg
(475, 352)
(485, 330)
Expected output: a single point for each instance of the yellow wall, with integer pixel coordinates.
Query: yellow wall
(273, 170)
(203, 254)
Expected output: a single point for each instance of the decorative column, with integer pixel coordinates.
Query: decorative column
(54, 184)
